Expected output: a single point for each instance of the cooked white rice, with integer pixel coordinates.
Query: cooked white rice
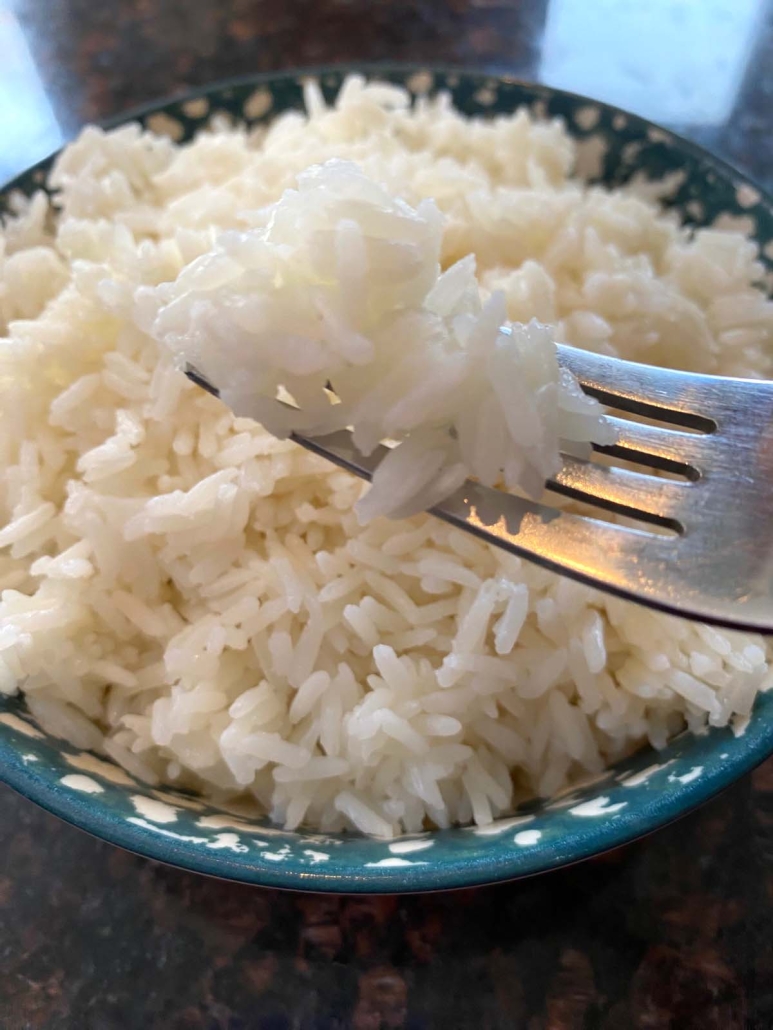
(341, 288)
(198, 599)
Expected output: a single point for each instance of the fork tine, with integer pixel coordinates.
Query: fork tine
(340, 448)
(661, 393)
(600, 554)
(662, 572)
(684, 453)
(720, 567)
(620, 490)
(196, 377)
(629, 493)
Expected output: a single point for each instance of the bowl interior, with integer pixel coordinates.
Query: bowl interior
(630, 799)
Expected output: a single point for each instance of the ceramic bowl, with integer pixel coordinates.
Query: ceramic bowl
(631, 799)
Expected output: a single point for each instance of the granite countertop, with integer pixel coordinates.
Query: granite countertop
(671, 933)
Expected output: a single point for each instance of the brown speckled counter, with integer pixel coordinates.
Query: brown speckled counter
(673, 933)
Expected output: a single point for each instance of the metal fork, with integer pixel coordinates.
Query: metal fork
(705, 550)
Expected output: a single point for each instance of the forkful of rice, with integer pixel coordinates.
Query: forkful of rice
(332, 323)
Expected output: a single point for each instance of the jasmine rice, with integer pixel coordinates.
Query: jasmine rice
(198, 599)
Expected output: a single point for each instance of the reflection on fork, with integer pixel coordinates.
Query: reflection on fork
(703, 547)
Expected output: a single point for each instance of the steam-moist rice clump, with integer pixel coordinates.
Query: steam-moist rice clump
(198, 599)
(338, 301)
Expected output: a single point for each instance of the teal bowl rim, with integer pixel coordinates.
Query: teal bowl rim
(717, 756)
(589, 838)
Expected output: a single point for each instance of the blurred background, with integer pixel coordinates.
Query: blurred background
(674, 932)
(699, 66)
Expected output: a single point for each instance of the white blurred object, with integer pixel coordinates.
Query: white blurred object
(30, 130)
(674, 62)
